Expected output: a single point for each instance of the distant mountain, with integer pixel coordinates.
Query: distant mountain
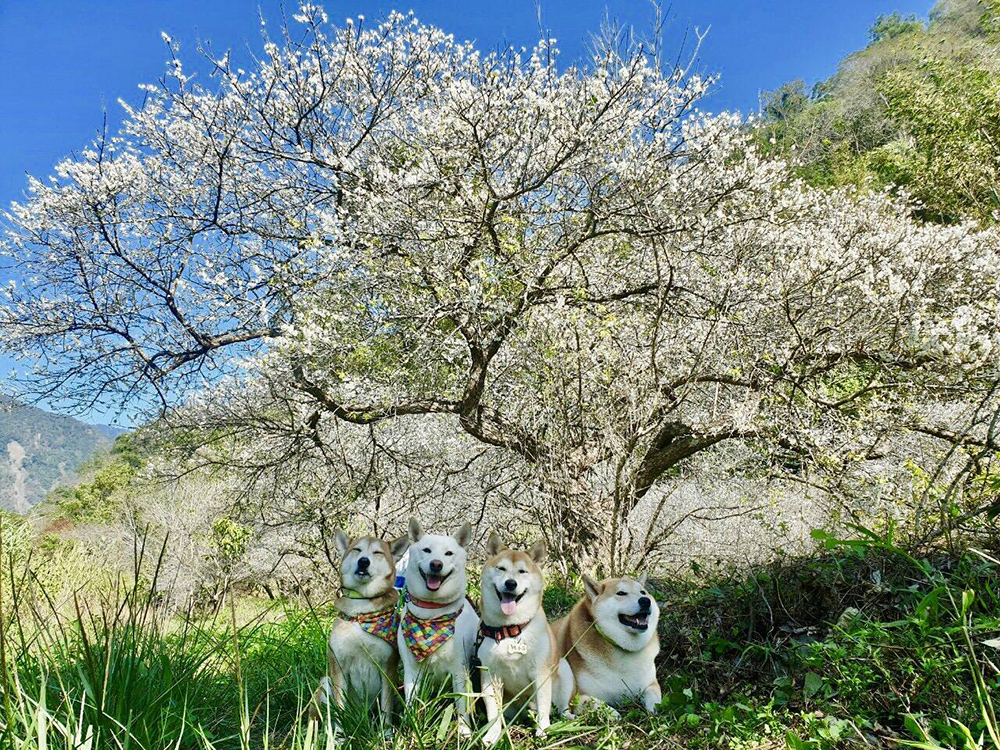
(109, 430)
(39, 451)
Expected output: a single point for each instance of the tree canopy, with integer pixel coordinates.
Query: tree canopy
(381, 241)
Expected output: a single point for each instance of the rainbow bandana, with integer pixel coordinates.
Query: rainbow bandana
(381, 624)
(424, 637)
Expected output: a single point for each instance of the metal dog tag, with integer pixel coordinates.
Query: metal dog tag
(516, 647)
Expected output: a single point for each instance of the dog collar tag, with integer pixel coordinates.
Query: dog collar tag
(516, 647)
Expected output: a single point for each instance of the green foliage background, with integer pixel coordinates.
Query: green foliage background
(917, 110)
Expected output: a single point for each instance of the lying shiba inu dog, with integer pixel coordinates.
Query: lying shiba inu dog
(361, 652)
(609, 639)
(517, 650)
(438, 628)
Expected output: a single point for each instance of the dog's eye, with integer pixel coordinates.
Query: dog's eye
(522, 572)
(449, 553)
(376, 552)
(622, 593)
(427, 550)
(643, 592)
(356, 549)
(501, 569)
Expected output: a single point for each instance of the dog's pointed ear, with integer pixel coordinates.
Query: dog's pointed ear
(341, 540)
(416, 531)
(399, 546)
(494, 544)
(539, 551)
(642, 579)
(592, 587)
(464, 535)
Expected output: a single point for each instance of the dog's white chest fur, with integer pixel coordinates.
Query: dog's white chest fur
(620, 679)
(518, 660)
(362, 657)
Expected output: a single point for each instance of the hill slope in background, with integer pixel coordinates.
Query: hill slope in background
(39, 451)
(917, 108)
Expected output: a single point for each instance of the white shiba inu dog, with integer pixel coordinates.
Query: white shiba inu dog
(518, 655)
(361, 652)
(609, 639)
(438, 629)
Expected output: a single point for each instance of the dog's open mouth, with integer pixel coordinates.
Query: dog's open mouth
(508, 602)
(433, 581)
(638, 621)
(362, 573)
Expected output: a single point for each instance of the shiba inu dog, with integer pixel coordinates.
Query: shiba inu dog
(361, 651)
(438, 629)
(517, 649)
(609, 639)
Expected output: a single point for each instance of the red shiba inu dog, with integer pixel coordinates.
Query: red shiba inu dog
(518, 655)
(609, 639)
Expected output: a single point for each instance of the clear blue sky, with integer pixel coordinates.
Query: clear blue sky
(63, 61)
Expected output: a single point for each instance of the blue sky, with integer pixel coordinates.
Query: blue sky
(64, 61)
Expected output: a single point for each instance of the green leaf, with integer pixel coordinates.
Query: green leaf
(794, 742)
(445, 724)
(812, 685)
(968, 596)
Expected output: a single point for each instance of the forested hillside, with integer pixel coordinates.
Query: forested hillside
(915, 110)
(39, 451)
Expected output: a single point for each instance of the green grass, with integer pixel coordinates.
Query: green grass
(861, 645)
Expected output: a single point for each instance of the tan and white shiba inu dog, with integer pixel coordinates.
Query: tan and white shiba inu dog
(438, 629)
(519, 660)
(361, 651)
(610, 641)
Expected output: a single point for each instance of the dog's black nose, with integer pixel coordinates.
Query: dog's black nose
(510, 584)
(436, 566)
(644, 603)
(363, 563)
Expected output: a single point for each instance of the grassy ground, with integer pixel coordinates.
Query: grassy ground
(861, 645)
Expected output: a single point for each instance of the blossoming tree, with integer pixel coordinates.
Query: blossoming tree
(569, 267)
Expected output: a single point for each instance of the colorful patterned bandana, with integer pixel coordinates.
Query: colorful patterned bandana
(424, 637)
(382, 624)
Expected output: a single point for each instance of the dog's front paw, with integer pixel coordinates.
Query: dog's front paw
(464, 730)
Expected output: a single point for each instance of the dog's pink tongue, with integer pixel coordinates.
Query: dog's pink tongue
(507, 606)
(433, 582)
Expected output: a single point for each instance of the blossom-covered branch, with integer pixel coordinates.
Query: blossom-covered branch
(568, 265)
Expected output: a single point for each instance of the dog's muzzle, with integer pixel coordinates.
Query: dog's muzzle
(362, 569)
(639, 621)
(508, 599)
(434, 579)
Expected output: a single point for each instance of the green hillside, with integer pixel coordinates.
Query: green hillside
(916, 109)
(39, 451)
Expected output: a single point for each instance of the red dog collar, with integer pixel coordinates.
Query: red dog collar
(429, 605)
(504, 631)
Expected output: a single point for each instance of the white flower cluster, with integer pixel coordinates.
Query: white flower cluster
(568, 264)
